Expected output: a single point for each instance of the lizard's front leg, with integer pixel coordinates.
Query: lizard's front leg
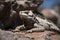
(18, 28)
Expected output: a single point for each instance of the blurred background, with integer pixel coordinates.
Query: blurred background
(49, 3)
(51, 10)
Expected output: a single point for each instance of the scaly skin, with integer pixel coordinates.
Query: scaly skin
(43, 25)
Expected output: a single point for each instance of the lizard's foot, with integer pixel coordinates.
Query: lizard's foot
(18, 28)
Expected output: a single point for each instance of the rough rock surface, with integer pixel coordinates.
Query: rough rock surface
(41, 35)
(8, 35)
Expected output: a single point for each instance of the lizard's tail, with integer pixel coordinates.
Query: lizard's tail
(55, 28)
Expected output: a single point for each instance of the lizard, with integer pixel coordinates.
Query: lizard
(37, 23)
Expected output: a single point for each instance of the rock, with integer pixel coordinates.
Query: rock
(7, 35)
(29, 4)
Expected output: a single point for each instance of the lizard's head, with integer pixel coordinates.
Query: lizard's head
(29, 4)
